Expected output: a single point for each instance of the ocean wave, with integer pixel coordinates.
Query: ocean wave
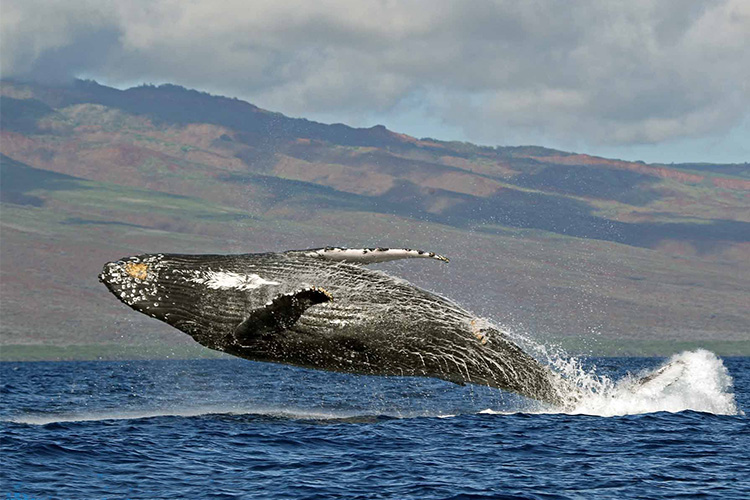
(280, 413)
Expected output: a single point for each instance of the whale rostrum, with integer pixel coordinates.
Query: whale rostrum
(323, 309)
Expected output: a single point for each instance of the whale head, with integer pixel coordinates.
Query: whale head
(205, 298)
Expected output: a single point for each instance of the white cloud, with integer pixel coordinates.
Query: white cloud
(634, 72)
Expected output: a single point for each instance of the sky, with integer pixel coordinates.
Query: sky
(659, 81)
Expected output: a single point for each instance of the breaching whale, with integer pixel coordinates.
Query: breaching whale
(322, 308)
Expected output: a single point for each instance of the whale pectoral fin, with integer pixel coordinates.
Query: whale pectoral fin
(279, 314)
(367, 255)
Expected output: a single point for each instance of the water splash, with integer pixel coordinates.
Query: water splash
(692, 380)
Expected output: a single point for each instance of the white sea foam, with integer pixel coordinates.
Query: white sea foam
(695, 380)
(692, 380)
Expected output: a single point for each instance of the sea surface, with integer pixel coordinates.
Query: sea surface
(225, 428)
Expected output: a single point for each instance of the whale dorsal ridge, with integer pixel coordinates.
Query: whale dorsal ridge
(279, 314)
(367, 255)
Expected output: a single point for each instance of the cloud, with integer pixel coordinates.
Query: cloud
(634, 72)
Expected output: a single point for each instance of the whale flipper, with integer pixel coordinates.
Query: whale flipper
(367, 255)
(279, 314)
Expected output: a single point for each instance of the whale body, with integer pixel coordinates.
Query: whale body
(323, 309)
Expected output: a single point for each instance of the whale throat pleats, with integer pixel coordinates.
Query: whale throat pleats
(279, 314)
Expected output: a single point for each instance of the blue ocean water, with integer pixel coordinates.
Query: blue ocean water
(228, 429)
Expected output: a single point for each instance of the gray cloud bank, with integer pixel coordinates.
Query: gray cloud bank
(634, 72)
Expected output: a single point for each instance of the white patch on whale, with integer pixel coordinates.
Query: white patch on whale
(223, 280)
(370, 255)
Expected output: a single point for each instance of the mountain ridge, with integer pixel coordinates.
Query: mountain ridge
(565, 231)
(430, 175)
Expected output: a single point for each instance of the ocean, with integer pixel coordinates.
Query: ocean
(230, 428)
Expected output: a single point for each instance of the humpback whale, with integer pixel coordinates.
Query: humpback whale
(323, 308)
